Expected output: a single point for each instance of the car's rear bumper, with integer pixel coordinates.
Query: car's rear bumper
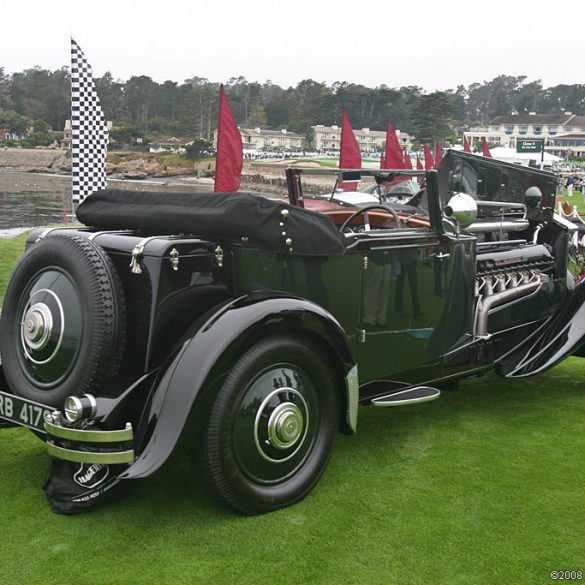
(89, 445)
(65, 441)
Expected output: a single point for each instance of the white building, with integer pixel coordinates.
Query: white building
(173, 144)
(564, 134)
(328, 139)
(255, 139)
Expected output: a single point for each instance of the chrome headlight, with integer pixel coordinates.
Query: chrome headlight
(462, 208)
(79, 407)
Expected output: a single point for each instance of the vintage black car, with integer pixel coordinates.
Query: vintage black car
(246, 331)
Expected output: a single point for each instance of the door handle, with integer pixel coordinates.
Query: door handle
(441, 256)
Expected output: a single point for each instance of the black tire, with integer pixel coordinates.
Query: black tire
(272, 426)
(67, 295)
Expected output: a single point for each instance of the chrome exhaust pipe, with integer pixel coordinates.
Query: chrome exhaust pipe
(487, 303)
(498, 226)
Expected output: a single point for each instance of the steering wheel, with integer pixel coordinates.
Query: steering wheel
(365, 210)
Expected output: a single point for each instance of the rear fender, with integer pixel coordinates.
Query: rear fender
(187, 386)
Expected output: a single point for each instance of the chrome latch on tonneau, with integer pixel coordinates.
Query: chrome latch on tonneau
(174, 254)
(138, 252)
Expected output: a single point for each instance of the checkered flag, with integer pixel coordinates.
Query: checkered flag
(89, 131)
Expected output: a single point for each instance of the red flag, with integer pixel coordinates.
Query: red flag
(382, 161)
(486, 150)
(350, 156)
(230, 156)
(406, 165)
(438, 156)
(429, 162)
(466, 147)
(393, 149)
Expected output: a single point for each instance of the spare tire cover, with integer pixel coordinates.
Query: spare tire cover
(63, 327)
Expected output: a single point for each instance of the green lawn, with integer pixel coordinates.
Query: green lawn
(10, 252)
(484, 486)
(577, 200)
(330, 163)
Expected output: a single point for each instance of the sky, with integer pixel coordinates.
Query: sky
(436, 45)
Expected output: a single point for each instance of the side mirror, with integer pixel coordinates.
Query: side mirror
(462, 209)
(533, 197)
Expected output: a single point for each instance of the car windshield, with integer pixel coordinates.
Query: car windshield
(402, 190)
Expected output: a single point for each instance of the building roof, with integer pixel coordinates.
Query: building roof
(362, 132)
(262, 132)
(321, 128)
(368, 132)
(560, 119)
(577, 121)
(173, 141)
(568, 135)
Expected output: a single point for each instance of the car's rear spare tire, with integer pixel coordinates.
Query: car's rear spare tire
(63, 324)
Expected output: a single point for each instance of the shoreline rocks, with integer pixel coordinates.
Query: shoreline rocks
(268, 178)
(35, 160)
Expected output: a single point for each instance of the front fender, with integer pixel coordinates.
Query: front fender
(187, 387)
(558, 337)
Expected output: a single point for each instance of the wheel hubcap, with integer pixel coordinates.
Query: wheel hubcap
(281, 425)
(37, 326)
(285, 425)
(50, 327)
(274, 428)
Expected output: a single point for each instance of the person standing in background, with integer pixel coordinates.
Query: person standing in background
(569, 184)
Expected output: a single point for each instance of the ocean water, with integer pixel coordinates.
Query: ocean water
(30, 200)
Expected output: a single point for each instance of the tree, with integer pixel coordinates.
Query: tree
(15, 122)
(199, 149)
(280, 110)
(257, 118)
(432, 117)
(112, 98)
(458, 102)
(528, 97)
(239, 98)
(190, 109)
(42, 94)
(126, 134)
(196, 111)
(570, 98)
(310, 136)
(40, 135)
(6, 102)
(139, 94)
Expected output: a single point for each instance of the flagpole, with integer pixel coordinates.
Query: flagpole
(219, 133)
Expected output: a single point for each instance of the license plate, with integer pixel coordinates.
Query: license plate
(22, 412)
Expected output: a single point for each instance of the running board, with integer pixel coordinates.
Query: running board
(409, 396)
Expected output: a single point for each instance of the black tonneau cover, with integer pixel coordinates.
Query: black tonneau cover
(232, 217)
